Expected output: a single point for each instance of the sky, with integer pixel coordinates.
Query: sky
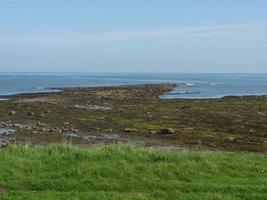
(133, 36)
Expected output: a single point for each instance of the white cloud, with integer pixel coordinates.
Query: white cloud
(78, 38)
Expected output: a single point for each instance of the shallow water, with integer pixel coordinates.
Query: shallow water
(194, 85)
(85, 139)
(91, 139)
(4, 131)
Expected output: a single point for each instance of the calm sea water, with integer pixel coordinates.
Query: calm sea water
(194, 85)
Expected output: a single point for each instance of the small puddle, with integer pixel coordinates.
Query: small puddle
(69, 134)
(4, 131)
(102, 139)
(93, 107)
(25, 126)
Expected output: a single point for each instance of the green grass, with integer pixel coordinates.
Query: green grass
(124, 172)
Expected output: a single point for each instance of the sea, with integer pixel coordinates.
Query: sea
(193, 86)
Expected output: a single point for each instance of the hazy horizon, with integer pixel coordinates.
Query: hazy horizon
(178, 36)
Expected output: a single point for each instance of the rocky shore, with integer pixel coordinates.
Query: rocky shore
(136, 115)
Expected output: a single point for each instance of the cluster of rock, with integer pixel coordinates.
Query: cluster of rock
(163, 131)
(6, 142)
(13, 112)
(39, 127)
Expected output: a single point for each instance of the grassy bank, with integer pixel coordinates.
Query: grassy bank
(123, 172)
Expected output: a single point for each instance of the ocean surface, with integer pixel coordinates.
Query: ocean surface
(192, 85)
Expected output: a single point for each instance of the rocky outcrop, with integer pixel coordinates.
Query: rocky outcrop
(6, 142)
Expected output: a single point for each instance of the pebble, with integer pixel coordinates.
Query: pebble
(30, 113)
(66, 124)
(129, 130)
(12, 112)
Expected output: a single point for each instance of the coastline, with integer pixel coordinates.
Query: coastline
(136, 115)
(4, 97)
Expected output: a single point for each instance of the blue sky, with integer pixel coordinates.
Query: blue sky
(194, 36)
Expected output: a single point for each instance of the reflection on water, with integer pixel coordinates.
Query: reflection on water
(4, 131)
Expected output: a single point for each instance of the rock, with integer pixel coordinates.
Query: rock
(38, 123)
(166, 131)
(6, 142)
(30, 113)
(34, 132)
(12, 112)
(129, 130)
(74, 130)
(252, 131)
(48, 111)
(66, 124)
(3, 143)
(262, 114)
(152, 132)
(231, 138)
(16, 125)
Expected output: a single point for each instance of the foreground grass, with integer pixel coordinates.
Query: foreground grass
(123, 172)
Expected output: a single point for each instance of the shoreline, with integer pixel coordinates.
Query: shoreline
(62, 89)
